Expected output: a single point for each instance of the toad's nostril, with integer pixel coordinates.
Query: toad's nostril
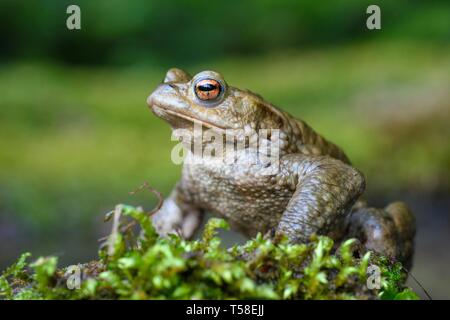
(166, 88)
(163, 90)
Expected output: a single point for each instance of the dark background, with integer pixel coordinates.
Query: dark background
(76, 135)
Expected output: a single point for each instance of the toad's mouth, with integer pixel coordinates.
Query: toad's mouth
(171, 115)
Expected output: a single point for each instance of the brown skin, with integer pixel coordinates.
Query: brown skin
(315, 190)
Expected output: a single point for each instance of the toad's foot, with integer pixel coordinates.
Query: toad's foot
(389, 231)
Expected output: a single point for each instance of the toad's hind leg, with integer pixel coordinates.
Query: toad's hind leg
(389, 231)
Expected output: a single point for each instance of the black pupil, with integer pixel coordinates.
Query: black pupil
(207, 87)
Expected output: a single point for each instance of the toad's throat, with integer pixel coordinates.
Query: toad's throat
(191, 119)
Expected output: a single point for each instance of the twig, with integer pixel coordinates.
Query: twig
(418, 283)
(115, 229)
(144, 186)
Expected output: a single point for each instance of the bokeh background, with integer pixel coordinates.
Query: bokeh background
(76, 135)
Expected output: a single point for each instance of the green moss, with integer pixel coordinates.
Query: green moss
(143, 265)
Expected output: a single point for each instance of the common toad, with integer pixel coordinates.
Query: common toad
(314, 188)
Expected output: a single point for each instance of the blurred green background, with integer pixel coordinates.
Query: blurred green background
(76, 135)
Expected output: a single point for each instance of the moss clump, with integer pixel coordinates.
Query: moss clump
(145, 266)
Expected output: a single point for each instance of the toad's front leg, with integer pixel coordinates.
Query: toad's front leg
(325, 191)
(178, 214)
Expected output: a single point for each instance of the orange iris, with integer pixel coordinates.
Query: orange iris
(208, 89)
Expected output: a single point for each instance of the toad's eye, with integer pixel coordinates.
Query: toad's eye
(208, 89)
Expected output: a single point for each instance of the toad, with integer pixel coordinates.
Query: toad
(312, 189)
